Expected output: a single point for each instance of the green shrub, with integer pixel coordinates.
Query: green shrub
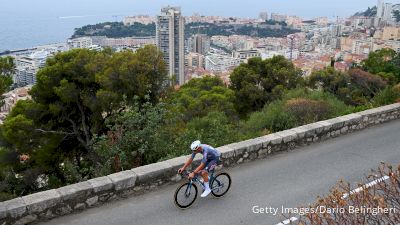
(306, 110)
(387, 96)
(337, 107)
(297, 107)
(273, 118)
(214, 129)
(4, 196)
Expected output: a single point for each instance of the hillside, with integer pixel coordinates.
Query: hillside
(370, 12)
(119, 30)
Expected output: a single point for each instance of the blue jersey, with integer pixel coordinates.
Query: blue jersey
(209, 153)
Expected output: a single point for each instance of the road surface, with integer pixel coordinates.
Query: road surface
(289, 179)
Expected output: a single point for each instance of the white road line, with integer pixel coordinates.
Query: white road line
(370, 184)
(288, 221)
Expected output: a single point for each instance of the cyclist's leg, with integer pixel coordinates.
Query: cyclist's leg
(210, 166)
(204, 172)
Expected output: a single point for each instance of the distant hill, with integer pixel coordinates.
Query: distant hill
(119, 30)
(370, 12)
(116, 30)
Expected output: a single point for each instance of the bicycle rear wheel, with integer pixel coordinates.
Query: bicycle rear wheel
(221, 184)
(185, 195)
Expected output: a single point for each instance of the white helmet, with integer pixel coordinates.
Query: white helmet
(195, 145)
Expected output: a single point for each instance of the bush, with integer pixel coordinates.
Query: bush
(387, 96)
(307, 111)
(200, 96)
(367, 83)
(337, 107)
(214, 129)
(260, 82)
(297, 107)
(131, 140)
(356, 87)
(384, 195)
(4, 196)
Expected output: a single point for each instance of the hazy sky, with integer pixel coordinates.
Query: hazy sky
(243, 8)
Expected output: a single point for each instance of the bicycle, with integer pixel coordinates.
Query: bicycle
(219, 185)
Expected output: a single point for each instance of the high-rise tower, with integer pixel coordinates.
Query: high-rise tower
(380, 9)
(170, 37)
(199, 43)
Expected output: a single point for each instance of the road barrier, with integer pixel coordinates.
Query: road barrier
(46, 205)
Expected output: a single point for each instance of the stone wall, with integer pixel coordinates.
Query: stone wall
(57, 202)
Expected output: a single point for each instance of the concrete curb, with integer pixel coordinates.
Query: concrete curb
(57, 202)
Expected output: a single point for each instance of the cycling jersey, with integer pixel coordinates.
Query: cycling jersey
(209, 153)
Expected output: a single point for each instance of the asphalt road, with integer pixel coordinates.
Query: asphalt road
(289, 179)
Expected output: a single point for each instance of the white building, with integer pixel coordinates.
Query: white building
(28, 66)
(82, 42)
(388, 12)
(128, 42)
(143, 19)
(263, 16)
(380, 9)
(385, 12)
(220, 63)
(244, 55)
(170, 37)
(362, 47)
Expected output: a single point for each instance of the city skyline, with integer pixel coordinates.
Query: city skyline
(52, 22)
(249, 8)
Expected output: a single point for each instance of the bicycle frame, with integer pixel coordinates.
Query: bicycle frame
(196, 180)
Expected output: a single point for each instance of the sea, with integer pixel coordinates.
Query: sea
(27, 23)
(30, 32)
(30, 23)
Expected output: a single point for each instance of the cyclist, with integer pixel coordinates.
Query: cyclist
(208, 163)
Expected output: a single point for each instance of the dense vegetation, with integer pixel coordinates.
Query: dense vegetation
(370, 12)
(396, 14)
(119, 30)
(261, 81)
(212, 29)
(93, 113)
(7, 69)
(116, 30)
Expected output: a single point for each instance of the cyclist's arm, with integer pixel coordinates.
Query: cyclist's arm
(188, 162)
(199, 168)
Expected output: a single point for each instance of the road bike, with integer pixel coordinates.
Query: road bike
(186, 194)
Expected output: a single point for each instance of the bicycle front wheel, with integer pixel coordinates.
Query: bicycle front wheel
(221, 184)
(185, 195)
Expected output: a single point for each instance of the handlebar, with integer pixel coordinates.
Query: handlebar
(186, 173)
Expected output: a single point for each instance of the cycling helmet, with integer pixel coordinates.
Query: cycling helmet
(195, 145)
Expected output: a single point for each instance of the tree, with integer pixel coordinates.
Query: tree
(356, 87)
(7, 69)
(396, 15)
(385, 63)
(215, 129)
(131, 142)
(200, 96)
(261, 81)
(116, 30)
(75, 93)
(368, 83)
(126, 74)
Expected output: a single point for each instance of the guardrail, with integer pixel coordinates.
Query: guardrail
(65, 200)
